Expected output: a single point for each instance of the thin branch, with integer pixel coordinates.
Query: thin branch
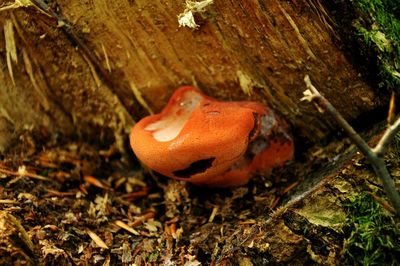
(374, 156)
(323, 104)
(23, 172)
(387, 138)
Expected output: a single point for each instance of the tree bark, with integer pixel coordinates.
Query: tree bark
(131, 55)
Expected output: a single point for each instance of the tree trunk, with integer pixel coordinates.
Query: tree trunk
(108, 63)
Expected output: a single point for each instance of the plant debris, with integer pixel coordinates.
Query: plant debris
(100, 208)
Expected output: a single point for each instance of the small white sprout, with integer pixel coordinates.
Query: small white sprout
(22, 170)
(308, 96)
(186, 19)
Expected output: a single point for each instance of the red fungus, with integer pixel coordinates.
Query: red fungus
(207, 142)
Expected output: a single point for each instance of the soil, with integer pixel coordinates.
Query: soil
(78, 204)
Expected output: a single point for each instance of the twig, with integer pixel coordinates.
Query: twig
(9, 222)
(382, 202)
(373, 155)
(23, 173)
(387, 138)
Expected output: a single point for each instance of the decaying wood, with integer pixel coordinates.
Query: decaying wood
(15, 241)
(126, 58)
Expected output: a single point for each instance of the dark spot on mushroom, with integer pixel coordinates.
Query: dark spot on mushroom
(196, 167)
(255, 127)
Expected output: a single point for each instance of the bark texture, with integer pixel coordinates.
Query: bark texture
(133, 55)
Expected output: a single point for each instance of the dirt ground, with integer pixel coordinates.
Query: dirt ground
(76, 204)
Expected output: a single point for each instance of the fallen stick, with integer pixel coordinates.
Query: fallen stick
(373, 155)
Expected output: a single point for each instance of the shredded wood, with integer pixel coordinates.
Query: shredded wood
(7, 201)
(126, 227)
(100, 243)
(32, 76)
(17, 4)
(139, 97)
(106, 57)
(11, 48)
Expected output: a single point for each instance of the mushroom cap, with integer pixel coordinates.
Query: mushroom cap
(208, 142)
(211, 138)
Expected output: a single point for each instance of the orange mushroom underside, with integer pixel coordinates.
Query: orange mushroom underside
(208, 142)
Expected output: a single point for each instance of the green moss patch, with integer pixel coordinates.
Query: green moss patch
(379, 25)
(373, 237)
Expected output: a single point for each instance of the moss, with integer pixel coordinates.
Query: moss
(372, 236)
(379, 27)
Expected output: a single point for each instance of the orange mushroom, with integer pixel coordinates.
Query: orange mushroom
(208, 142)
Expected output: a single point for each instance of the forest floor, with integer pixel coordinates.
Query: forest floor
(75, 204)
